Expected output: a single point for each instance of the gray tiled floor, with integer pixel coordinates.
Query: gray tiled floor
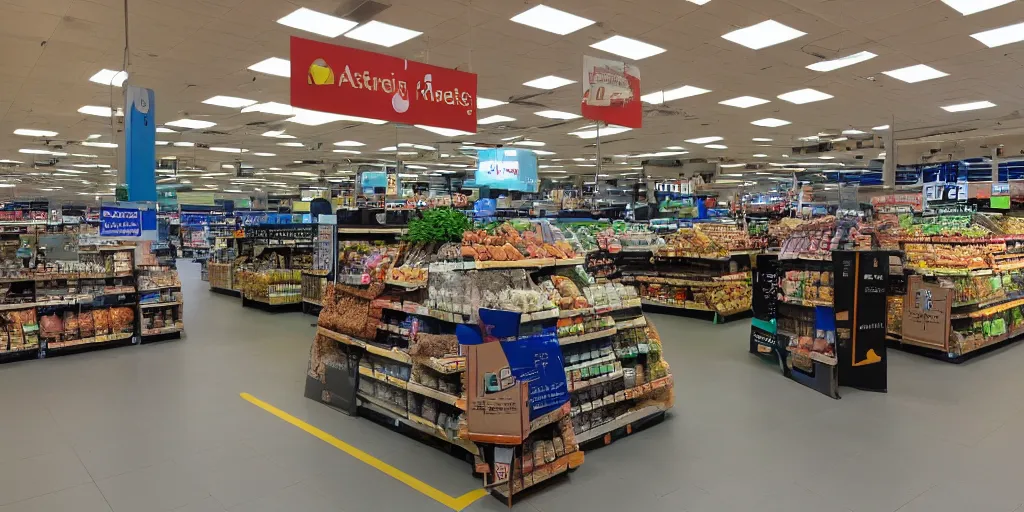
(162, 428)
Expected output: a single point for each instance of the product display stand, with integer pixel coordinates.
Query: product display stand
(828, 327)
(715, 288)
(272, 281)
(161, 310)
(391, 349)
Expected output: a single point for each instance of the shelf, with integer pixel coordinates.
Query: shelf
(635, 323)
(313, 302)
(158, 288)
(392, 409)
(982, 313)
(420, 389)
(630, 394)
(527, 263)
(394, 329)
(444, 365)
(569, 340)
(543, 473)
(621, 421)
(381, 377)
(373, 230)
(804, 303)
(649, 302)
(629, 304)
(57, 345)
(393, 353)
(581, 385)
(424, 425)
(685, 282)
(407, 286)
(147, 305)
(162, 330)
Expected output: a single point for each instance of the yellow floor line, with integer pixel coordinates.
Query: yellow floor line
(456, 504)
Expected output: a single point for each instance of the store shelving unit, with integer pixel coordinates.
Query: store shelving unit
(161, 310)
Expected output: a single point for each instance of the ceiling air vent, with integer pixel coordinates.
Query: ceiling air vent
(360, 11)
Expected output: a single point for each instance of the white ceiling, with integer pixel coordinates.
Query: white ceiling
(190, 50)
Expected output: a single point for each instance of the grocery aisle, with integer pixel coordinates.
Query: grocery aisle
(161, 427)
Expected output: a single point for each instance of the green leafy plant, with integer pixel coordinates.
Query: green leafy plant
(438, 225)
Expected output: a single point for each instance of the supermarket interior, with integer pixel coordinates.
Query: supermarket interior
(266, 255)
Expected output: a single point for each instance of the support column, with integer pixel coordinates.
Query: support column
(889, 165)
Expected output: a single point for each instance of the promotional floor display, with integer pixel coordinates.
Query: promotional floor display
(568, 358)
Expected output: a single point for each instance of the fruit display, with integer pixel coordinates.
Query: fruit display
(517, 240)
(365, 262)
(411, 267)
(947, 226)
(731, 236)
(724, 297)
(691, 243)
(1011, 225)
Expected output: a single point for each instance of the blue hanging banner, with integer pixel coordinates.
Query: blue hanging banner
(120, 222)
(140, 144)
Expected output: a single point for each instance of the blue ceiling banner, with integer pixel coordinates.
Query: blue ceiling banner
(507, 169)
(120, 222)
(140, 144)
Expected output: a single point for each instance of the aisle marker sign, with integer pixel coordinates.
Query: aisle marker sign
(611, 92)
(120, 221)
(341, 80)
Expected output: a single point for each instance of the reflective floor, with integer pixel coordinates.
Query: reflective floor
(161, 427)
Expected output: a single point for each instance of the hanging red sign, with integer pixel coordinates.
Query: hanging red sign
(347, 81)
(611, 92)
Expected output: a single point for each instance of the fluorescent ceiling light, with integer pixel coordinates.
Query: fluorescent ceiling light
(347, 151)
(162, 142)
(83, 155)
(675, 148)
(230, 150)
(760, 155)
(270, 107)
(716, 146)
(495, 119)
(1001, 36)
(556, 114)
(381, 34)
(730, 166)
(698, 2)
(264, 154)
(542, 152)
(100, 144)
(551, 20)
(388, 148)
(486, 103)
(161, 129)
(444, 132)
(109, 77)
(549, 82)
(963, 107)
(291, 144)
(763, 35)
(628, 48)
(317, 22)
(914, 74)
(743, 102)
(804, 96)
(532, 143)
(704, 140)
(314, 118)
(184, 144)
(94, 110)
(233, 190)
(349, 144)
(968, 7)
(851, 132)
(826, 157)
(34, 133)
(654, 98)
(71, 171)
(229, 101)
(6, 161)
(97, 135)
(770, 122)
(592, 134)
(841, 62)
(761, 139)
(227, 166)
(682, 92)
(273, 66)
(191, 123)
(881, 128)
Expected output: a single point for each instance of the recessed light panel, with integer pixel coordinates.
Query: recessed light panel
(531, 143)
(770, 122)
(764, 34)
(34, 133)
(381, 34)
(349, 143)
(184, 144)
(549, 82)
(628, 48)
(968, 7)
(557, 114)
(444, 132)
(852, 132)
(264, 154)
(592, 134)
(654, 98)
(229, 101)
(94, 110)
(761, 139)
(704, 140)
(716, 146)
(963, 107)
(881, 128)
(270, 107)
(841, 62)
(698, 2)
(914, 74)
(1001, 36)
(192, 124)
(161, 129)
(273, 66)
(109, 77)
(495, 119)
(317, 22)
(804, 96)
(551, 20)
(482, 103)
(685, 91)
(229, 150)
(743, 102)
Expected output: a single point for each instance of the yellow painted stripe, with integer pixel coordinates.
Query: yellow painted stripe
(456, 504)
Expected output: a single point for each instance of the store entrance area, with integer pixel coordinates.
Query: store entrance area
(162, 427)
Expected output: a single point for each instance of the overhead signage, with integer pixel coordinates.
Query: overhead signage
(938, 191)
(508, 169)
(140, 144)
(341, 80)
(894, 202)
(611, 92)
(121, 222)
(298, 232)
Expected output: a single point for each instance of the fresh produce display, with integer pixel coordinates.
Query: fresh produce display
(465, 292)
(806, 286)
(948, 226)
(365, 262)
(438, 225)
(732, 237)
(517, 240)
(691, 243)
(19, 331)
(723, 297)
(813, 240)
(272, 286)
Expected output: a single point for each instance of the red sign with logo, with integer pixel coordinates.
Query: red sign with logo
(611, 92)
(342, 80)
